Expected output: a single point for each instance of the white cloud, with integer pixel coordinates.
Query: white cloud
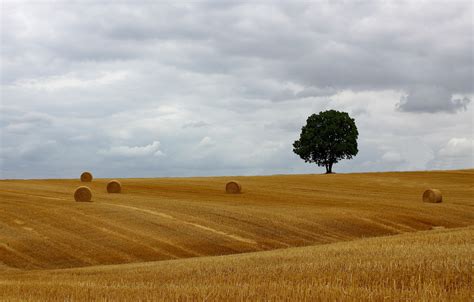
(68, 81)
(206, 142)
(152, 149)
(458, 147)
(392, 157)
(457, 152)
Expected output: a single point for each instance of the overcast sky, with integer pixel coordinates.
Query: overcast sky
(223, 88)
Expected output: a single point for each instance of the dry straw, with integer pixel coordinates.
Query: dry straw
(86, 177)
(233, 187)
(114, 186)
(432, 195)
(83, 194)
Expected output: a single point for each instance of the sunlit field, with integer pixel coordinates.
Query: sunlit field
(327, 237)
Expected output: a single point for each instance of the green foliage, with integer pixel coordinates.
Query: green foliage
(327, 138)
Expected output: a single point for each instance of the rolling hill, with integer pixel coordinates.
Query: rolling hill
(310, 230)
(423, 266)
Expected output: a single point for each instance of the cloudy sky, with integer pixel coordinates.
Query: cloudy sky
(130, 89)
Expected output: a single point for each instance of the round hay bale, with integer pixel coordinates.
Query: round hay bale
(233, 187)
(432, 195)
(83, 194)
(114, 186)
(86, 177)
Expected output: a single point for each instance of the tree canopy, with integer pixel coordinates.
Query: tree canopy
(327, 138)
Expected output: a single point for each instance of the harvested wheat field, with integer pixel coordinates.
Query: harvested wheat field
(304, 237)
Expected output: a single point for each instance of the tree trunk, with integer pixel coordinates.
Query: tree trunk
(329, 168)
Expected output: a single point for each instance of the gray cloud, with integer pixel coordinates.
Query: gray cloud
(197, 124)
(431, 99)
(225, 87)
(152, 149)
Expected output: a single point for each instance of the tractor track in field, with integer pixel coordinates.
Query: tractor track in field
(197, 225)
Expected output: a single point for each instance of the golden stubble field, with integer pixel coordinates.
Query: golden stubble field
(286, 237)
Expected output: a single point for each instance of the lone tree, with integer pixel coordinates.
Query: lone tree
(327, 138)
